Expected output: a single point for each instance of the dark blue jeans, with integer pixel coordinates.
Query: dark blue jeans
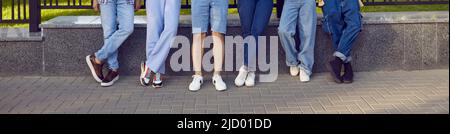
(254, 16)
(342, 20)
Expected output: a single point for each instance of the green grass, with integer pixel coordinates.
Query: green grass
(48, 14)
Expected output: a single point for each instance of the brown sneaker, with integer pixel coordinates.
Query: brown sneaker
(96, 69)
(110, 78)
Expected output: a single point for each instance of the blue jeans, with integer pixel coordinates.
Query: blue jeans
(254, 16)
(162, 26)
(117, 18)
(342, 20)
(299, 14)
(205, 12)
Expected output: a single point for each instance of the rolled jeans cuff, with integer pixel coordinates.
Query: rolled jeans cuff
(345, 59)
(308, 71)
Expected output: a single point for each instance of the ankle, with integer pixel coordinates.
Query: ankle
(198, 73)
(97, 61)
(217, 73)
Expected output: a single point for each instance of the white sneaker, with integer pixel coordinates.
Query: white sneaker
(294, 70)
(304, 77)
(240, 79)
(250, 81)
(219, 83)
(196, 83)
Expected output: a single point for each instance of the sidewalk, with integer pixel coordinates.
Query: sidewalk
(404, 92)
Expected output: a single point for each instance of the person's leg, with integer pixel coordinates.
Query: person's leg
(260, 21)
(162, 47)
(333, 22)
(286, 31)
(155, 25)
(352, 19)
(109, 26)
(155, 20)
(200, 20)
(125, 19)
(218, 14)
(246, 9)
(307, 28)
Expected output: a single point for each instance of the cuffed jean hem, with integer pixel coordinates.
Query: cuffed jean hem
(344, 58)
(308, 71)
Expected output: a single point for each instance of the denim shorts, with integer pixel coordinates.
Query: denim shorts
(205, 12)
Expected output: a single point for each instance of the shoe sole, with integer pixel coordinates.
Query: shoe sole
(109, 83)
(194, 90)
(91, 68)
(330, 69)
(157, 86)
(214, 84)
(348, 82)
(141, 78)
(249, 85)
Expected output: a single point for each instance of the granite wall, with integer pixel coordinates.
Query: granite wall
(389, 41)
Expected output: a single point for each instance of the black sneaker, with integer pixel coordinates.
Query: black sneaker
(96, 69)
(110, 78)
(348, 73)
(335, 67)
(157, 81)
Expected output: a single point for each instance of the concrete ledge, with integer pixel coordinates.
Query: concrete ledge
(19, 34)
(389, 41)
(233, 20)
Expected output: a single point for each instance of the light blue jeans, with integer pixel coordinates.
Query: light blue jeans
(162, 26)
(117, 18)
(205, 12)
(299, 14)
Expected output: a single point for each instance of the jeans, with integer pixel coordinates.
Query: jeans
(117, 17)
(205, 12)
(299, 14)
(342, 20)
(254, 16)
(162, 26)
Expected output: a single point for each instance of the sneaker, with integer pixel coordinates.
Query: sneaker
(250, 81)
(240, 79)
(335, 67)
(146, 75)
(219, 83)
(348, 73)
(196, 83)
(294, 70)
(110, 78)
(157, 81)
(304, 77)
(96, 69)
